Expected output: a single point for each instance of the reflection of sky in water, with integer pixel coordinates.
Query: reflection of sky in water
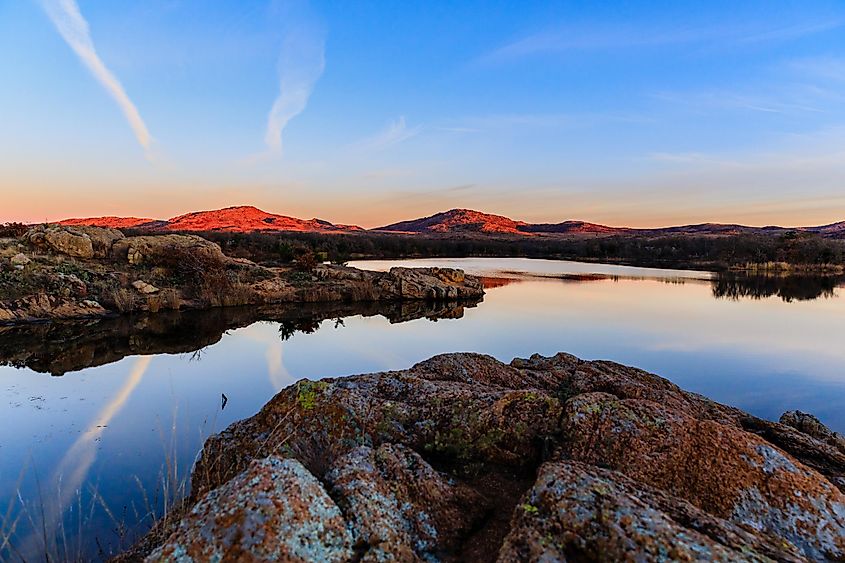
(104, 426)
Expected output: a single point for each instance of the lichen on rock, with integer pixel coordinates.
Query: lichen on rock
(462, 457)
(274, 511)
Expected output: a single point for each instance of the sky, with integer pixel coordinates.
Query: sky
(637, 113)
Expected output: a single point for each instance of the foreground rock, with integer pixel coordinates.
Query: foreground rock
(76, 272)
(274, 511)
(463, 458)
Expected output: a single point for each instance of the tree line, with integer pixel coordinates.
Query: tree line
(682, 251)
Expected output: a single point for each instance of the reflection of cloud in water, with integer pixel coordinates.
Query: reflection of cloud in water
(72, 471)
(267, 334)
(276, 370)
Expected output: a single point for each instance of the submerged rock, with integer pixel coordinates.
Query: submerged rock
(462, 457)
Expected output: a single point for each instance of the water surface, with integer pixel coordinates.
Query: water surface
(102, 420)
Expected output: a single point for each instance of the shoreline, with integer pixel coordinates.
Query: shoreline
(53, 273)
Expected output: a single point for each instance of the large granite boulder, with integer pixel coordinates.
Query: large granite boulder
(430, 283)
(77, 242)
(462, 457)
(147, 249)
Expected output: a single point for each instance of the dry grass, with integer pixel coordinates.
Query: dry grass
(166, 299)
(78, 534)
(229, 294)
(170, 299)
(122, 299)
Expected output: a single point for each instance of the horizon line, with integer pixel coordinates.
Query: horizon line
(421, 217)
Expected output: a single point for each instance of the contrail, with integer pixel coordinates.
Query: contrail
(73, 28)
(301, 64)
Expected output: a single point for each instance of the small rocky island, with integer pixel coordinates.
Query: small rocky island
(76, 272)
(464, 458)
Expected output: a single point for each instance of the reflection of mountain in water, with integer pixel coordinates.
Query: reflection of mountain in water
(62, 347)
(796, 287)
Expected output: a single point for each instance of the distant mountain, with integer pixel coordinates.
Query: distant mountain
(571, 227)
(469, 221)
(243, 219)
(112, 222)
(457, 220)
(247, 219)
(836, 230)
(240, 219)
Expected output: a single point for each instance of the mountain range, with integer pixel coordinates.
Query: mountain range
(244, 219)
(239, 219)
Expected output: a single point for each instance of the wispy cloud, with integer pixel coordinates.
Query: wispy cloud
(74, 30)
(510, 121)
(779, 99)
(590, 37)
(826, 68)
(396, 132)
(301, 63)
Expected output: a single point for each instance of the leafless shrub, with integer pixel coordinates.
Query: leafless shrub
(306, 261)
(202, 275)
(169, 299)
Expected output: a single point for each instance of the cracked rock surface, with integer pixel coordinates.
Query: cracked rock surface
(464, 458)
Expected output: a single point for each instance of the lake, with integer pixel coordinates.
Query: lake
(102, 420)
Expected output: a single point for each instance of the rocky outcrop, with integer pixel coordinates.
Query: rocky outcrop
(812, 426)
(42, 306)
(462, 457)
(73, 265)
(431, 283)
(147, 249)
(76, 242)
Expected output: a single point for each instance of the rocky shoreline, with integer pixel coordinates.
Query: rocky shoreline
(464, 458)
(74, 272)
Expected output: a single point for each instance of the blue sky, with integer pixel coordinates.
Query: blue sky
(637, 113)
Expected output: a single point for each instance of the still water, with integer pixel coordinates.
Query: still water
(101, 421)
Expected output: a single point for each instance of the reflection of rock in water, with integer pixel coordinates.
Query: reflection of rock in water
(795, 287)
(61, 347)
